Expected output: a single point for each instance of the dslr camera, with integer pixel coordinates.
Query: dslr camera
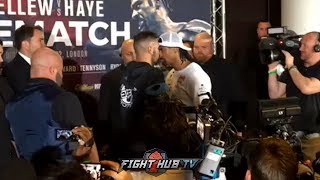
(280, 38)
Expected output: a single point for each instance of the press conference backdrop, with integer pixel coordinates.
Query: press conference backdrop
(88, 33)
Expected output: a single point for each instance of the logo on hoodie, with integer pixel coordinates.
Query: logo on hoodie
(126, 96)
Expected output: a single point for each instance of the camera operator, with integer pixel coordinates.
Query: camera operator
(301, 79)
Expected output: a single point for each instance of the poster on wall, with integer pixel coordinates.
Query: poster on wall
(88, 33)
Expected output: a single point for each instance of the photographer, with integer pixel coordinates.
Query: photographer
(43, 107)
(301, 79)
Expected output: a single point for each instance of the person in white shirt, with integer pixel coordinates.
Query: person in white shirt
(187, 81)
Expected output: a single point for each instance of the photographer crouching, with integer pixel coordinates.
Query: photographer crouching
(301, 79)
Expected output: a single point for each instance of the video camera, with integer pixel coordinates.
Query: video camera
(280, 38)
(279, 111)
(278, 116)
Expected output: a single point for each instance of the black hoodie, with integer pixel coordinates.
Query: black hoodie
(137, 77)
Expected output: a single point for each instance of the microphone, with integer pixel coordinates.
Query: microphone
(207, 101)
(210, 105)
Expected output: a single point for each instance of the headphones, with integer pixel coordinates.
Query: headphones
(316, 47)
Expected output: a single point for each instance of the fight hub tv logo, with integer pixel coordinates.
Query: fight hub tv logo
(156, 162)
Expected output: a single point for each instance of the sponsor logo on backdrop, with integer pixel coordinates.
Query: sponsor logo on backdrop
(87, 87)
(84, 68)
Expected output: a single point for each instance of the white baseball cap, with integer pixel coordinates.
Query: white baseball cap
(172, 39)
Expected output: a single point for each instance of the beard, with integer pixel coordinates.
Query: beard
(199, 56)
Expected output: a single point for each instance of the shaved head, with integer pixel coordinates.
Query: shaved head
(202, 48)
(315, 35)
(45, 57)
(203, 36)
(307, 53)
(46, 63)
(127, 51)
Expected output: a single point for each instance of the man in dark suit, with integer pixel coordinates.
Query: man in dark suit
(7, 151)
(110, 82)
(228, 82)
(110, 85)
(27, 39)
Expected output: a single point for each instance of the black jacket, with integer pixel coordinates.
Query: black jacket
(7, 151)
(109, 106)
(18, 73)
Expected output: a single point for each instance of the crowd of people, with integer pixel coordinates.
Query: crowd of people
(141, 107)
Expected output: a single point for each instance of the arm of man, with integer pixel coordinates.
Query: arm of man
(17, 80)
(115, 171)
(201, 85)
(276, 88)
(102, 127)
(8, 149)
(104, 100)
(307, 85)
(68, 112)
(87, 149)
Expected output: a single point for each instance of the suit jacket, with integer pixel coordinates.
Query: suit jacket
(17, 73)
(7, 151)
(109, 105)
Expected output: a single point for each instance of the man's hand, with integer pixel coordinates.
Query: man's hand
(115, 171)
(85, 135)
(289, 59)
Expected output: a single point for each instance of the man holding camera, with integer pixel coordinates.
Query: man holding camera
(43, 107)
(301, 79)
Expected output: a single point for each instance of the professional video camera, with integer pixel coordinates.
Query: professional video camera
(280, 38)
(278, 116)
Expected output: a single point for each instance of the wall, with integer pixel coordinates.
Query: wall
(301, 20)
(242, 17)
